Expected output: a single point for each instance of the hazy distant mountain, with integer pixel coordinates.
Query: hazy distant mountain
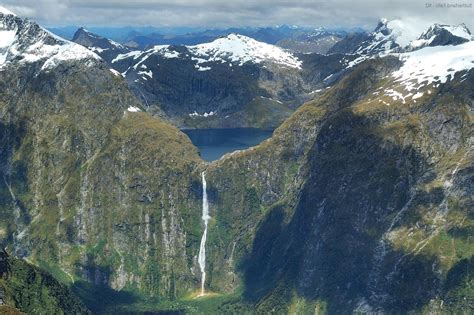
(301, 39)
(349, 43)
(270, 35)
(318, 40)
(120, 34)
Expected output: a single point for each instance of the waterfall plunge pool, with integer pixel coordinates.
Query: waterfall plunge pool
(214, 143)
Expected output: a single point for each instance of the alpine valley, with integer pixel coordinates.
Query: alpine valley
(361, 201)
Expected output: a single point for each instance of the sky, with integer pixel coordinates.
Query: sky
(239, 13)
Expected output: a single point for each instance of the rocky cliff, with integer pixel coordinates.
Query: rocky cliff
(77, 164)
(382, 221)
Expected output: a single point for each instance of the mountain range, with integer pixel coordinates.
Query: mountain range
(237, 81)
(221, 83)
(360, 202)
(301, 39)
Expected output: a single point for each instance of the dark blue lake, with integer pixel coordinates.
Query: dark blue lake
(214, 143)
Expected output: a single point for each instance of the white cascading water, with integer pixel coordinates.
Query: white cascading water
(205, 219)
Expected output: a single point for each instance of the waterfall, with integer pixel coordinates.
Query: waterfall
(205, 219)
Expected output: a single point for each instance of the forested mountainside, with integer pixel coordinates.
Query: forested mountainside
(25, 287)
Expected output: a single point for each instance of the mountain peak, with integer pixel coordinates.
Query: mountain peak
(459, 30)
(382, 27)
(242, 49)
(442, 35)
(107, 48)
(236, 37)
(23, 41)
(5, 11)
(398, 36)
(82, 31)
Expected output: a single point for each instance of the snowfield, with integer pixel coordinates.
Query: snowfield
(242, 49)
(5, 11)
(434, 64)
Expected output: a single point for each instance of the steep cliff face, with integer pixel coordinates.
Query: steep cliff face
(383, 218)
(96, 189)
(93, 190)
(246, 187)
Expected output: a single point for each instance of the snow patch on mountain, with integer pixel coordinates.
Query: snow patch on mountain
(52, 55)
(422, 42)
(115, 72)
(395, 95)
(165, 52)
(434, 64)
(147, 73)
(200, 68)
(5, 11)
(7, 38)
(133, 54)
(98, 50)
(196, 114)
(62, 53)
(133, 109)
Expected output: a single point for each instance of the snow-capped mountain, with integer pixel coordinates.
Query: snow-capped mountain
(221, 77)
(441, 35)
(424, 70)
(229, 77)
(383, 39)
(396, 36)
(241, 49)
(108, 49)
(232, 75)
(233, 49)
(25, 42)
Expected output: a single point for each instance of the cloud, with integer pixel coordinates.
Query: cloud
(221, 13)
